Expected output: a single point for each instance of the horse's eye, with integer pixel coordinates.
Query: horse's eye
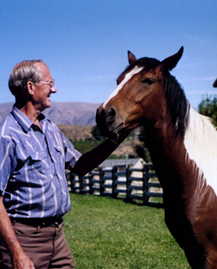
(148, 81)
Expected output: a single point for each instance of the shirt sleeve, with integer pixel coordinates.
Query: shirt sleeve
(71, 154)
(6, 162)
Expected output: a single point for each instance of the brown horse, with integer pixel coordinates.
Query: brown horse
(183, 148)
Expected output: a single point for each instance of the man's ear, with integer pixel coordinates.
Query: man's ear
(30, 87)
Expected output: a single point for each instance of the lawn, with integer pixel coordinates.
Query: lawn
(104, 233)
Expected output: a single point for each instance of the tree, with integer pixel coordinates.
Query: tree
(208, 107)
(142, 151)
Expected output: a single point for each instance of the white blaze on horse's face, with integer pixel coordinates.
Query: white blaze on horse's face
(128, 76)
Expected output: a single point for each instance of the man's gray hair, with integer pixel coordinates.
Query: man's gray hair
(21, 74)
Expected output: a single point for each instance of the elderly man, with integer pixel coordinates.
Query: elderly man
(33, 189)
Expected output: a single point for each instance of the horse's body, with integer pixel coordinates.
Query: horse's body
(183, 148)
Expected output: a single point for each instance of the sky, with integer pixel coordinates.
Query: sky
(85, 42)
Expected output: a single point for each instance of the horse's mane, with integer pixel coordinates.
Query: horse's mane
(177, 104)
(201, 143)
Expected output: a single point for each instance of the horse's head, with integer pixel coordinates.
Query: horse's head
(215, 84)
(138, 97)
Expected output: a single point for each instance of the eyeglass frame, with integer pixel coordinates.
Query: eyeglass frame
(50, 84)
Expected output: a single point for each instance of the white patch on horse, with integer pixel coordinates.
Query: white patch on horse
(201, 144)
(123, 82)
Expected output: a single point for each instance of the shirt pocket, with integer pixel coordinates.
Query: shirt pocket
(59, 158)
(38, 164)
(58, 149)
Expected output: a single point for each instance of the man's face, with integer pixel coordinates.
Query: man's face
(43, 89)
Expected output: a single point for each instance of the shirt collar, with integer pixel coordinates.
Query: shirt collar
(24, 120)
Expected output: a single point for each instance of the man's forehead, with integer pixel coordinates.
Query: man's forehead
(42, 68)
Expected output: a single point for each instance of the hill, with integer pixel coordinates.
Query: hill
(78, 113)
(73, 132)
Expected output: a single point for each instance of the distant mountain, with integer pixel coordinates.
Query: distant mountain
(78, 113)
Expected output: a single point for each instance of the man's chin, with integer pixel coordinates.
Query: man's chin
(45, 106)
(48, 104)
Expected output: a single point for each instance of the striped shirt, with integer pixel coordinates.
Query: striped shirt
(32, 167)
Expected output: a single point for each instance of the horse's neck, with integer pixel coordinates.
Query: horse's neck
(185, 163)
(167, 152)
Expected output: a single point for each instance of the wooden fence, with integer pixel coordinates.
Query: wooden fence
(134, 185)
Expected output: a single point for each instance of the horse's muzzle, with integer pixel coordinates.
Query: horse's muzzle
(106, 122)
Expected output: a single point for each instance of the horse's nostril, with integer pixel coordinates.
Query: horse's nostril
(111, 114)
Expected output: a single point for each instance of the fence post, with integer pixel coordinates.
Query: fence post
(81, 185)
(128, 174)
(90, 183)
(114, 170)
(72, 184)
(145, 181)
(101, 182)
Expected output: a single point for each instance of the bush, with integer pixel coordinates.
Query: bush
(208, 107)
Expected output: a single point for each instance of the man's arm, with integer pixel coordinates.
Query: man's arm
(20, 259)
(91, 159)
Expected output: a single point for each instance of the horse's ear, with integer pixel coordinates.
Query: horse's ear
(215, 84)
(131, 57)
(170, 62)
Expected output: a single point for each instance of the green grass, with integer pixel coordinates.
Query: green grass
(104, 233)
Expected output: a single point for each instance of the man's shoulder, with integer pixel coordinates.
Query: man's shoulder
(7, 121)
(6, 125)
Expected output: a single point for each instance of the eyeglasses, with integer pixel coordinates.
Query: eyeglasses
(50, 84)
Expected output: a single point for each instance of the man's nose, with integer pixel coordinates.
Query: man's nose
(54, 89)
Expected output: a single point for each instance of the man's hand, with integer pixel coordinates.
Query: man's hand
(22, 261)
